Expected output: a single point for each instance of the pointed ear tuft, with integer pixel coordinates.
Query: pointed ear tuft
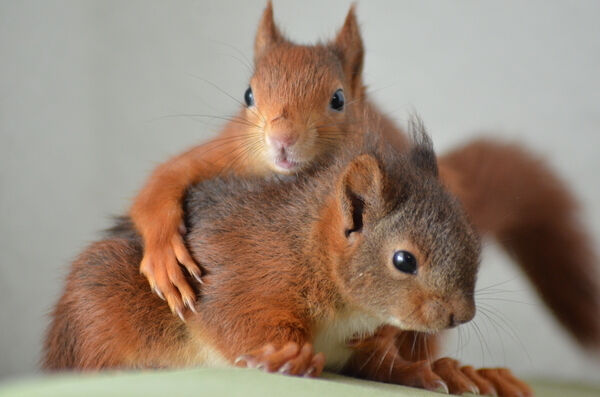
(349, 46)
(422, 154)
(360, 191)
(267, 33)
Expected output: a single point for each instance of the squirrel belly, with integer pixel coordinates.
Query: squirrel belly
(332, 335)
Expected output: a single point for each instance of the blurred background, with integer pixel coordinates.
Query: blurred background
(90, 93)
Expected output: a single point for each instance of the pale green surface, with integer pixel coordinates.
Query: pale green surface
(232, 382)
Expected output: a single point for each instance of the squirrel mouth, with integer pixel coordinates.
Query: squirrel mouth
(284, 162)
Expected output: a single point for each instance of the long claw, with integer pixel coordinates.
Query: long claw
(309, 372)
(240, 359)
(285, 368)
(197, 276)
(190, 305)
(158, 292)
(180, 314)
(442, 387)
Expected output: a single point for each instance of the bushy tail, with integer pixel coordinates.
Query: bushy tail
(516, 198)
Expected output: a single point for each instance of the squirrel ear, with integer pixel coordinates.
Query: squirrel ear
(422, 154)
(359, 190)
(349, 46)
(268, 33)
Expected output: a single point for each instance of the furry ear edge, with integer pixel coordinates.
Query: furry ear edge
(267, 33)
(359, 190)
(349, 45)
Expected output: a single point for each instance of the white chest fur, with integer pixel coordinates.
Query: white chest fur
(332, 335)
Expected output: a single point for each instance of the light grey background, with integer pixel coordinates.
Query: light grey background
(85, 87)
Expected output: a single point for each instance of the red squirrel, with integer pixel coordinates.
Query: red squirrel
(301, 274)
(301, 103)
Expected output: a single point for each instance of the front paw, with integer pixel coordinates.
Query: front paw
(492, 382)
(291, 359)
(163, 264)
(505, 382)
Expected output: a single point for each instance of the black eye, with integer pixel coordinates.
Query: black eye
(405, 262)
(249, 97)
(337, 100)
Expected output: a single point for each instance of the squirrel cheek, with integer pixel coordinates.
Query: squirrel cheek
(435, 316)
(427, 312)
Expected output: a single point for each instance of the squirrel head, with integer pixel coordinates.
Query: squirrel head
(302, 100)
(410, 254)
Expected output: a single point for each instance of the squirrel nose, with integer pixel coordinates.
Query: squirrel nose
(460, 318)
(461, 309)
(282, 140)
(452, 322)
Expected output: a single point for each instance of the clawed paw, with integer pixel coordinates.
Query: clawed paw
(291, 359)
(163, 267)
(492, 382)
(447, 376)
(505, 383)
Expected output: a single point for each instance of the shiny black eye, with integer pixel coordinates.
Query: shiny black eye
(249, 97)
(337, 100)
(405, 262)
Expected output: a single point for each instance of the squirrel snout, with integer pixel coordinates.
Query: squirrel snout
(282, 133)
(459, 318)
(282, 140)
(463, 312)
